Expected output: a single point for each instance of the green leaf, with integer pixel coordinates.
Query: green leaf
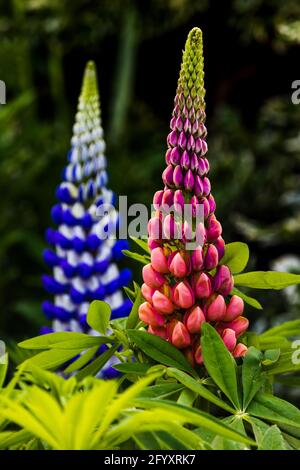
(160, 350)
(136, 256)
(252, 378)
(236, 256)
(133, 317)
(52, 359)
(98, 316)
(63, 340)
(94, 367)
(247, 299)
(219, 363)
(272, 440)
(83, 359)
(274, 410)
(161, 390)
(198, 388)
(266, 280)
(141, 243)
(271, 356)
(132, 368)
(195, 417)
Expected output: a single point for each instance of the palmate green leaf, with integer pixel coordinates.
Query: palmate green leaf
(192, 384)
(160, 350)
(272, 440)
(133, 317)
(136, 256)
(122, 401)
(64, 340)
(266, 279)
(287, 329)
(195, 417)
(98, 316)
(219, 363)
(252, 376)
(141, 243)
(221, 443)
(247, 299)
(236, 256)
(274, 410)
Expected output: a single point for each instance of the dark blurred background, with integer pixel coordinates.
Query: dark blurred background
(252, 50)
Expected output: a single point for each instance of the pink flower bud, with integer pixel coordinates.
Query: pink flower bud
(159, 260)
(190, 143)
(214, 230)
(178, 176)
(147, 292)
(198, 356)
(168, 198)
(172, 139)
(184, 295)
(178, 201)
(202, 286)
(170, 328)
(170, 228)
(168, 156)
(185, 160)
(182, 140)
(194, 162)
(158, 331)
(201, 167)
(175, 156)
(198, 186)
(240, 350)
(151, 277)
(200, 234)
(198, 145)
(220, 245)
(179, 124)
(197, 259)
(195, 205)
(212, 203)
(187, 231)
(189, 180)
(204, 147)
(167, 176)
(217, 309)
(206, 209)
(206, 186)
(234, 309)
(229, 339)
(180, 336)
(162, 303)
(149, 315)
(211, 257)
(178, 266)
(223, 280)
(187, 126)
(155, 228)
(193, 320)
(239, 325)
(157, 199)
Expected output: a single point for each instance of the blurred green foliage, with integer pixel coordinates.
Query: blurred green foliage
(251, 52)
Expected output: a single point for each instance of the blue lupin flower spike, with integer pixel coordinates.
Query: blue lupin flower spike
(84, 265)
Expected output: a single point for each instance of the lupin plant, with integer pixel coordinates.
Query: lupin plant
(184, 288)
(83, 258)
